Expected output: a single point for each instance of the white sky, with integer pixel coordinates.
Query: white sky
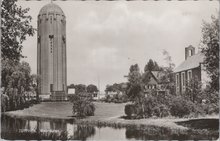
(105, 37)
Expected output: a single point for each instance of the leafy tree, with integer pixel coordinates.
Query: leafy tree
(15, 26)
(109, 88)
(168, 60)
(80, 88)
(16, 80)
(210, 48)
(146, 77)
(71, 86)
(16, 75)
(151, 66)
(8, 67)
(194, 90)
(168, 78)
(92, 88)
(135, 87)
(121, 87)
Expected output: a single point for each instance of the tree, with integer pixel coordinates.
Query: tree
(8, 67)
(194, 90)
(151, 66)
(16, 80)
(16, 75)
(92, 88)
(115, 88)
(15, 26)
(71, 86)
(109, 88)
(168, 60)
(210, 48)
(168, 78)
(135, 87)
(80, 88)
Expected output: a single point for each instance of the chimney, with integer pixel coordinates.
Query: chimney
(189, 51)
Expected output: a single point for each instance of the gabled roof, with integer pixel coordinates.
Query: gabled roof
(190, 63)
(158, 74)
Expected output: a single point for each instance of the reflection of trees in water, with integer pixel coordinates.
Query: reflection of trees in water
(12, 129)
(82, 132)
(163, 133)
(148, 133)
(12, 124)
(107, 124)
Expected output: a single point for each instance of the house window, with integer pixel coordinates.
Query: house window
(189, 75)
(177, 82)
(183, 81)
(190, 52)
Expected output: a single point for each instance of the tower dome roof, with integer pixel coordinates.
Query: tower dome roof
(51, 8)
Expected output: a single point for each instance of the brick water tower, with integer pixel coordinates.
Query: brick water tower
(51, 53)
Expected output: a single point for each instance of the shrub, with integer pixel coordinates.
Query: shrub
(211, 108)
(89, 109)
(82, 105)
(34, 101)
(129, 110)
(161, 111)
(180, 107)
(149, 104)
(4, 102)
(117, 98)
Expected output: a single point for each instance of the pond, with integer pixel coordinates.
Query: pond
(41, 129)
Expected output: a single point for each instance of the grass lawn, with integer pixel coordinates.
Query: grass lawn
(105, 113)
(63, 110)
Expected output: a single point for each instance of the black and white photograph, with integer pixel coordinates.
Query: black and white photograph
(110, 70)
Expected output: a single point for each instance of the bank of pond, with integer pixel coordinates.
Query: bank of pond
(57, 129)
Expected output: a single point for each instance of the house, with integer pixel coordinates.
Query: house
(155, 82)
(191, 68)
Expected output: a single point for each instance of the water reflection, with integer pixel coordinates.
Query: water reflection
(163, 133)
(16, 128)
(28, 129)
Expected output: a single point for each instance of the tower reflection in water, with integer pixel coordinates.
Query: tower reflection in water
(26, 129)
(16, 128)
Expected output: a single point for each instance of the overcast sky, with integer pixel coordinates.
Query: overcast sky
(105, 37)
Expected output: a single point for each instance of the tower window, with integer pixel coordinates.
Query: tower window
(51, 87)
(38, 39)
(64, 39)
(51, 43)
(51, 19)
